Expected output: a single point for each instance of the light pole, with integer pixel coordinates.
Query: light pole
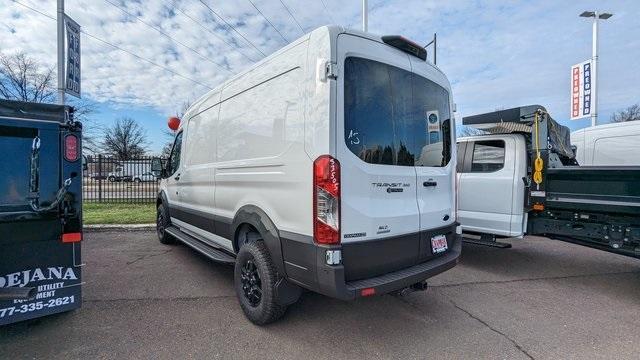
(594, 60)
(60, 33)
(365, 16)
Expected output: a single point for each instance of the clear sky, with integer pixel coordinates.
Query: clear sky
(497, 54)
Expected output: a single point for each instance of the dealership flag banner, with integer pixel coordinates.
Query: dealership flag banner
(72, 81)
(581, 96)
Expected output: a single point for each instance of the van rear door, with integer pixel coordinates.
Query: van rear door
(432, 129)
(380, 219)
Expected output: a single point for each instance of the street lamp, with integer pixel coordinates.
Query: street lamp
(594, 58)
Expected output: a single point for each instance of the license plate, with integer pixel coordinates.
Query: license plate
(439, 244)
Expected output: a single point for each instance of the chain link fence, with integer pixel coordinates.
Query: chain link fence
(107, 179)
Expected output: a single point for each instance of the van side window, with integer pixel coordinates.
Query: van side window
(174, 158)
(488, 156)
(388, 122)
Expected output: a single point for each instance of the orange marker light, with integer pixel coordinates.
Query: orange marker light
(173, 123)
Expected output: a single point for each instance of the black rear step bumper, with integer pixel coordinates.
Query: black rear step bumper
(331, 278)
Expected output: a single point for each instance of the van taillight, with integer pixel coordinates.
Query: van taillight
(326, 200)
(71, 148)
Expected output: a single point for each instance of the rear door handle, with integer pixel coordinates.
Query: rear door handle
(429, 183)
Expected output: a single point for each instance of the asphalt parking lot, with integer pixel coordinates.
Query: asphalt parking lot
(540, 299)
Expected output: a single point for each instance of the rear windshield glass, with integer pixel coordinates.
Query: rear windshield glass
(395, 117)
(15, 168)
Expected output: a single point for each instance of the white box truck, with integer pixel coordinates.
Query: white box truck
(327, 166)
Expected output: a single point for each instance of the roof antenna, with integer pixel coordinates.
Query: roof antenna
(435, 48)
(365, 15)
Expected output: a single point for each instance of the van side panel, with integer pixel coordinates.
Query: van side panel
(617, 150)
(615, 144)
(196, 195)
(260, 146)
(320, 95)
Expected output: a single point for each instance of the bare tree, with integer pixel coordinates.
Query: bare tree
(631, 113)
(91, 130)
(23, 78)
(170, 134)
(183, 109)
(125, 139)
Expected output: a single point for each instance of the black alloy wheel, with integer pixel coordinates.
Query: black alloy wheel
(251, 283)
(255, 280)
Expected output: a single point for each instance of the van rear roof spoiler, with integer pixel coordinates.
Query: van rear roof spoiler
(406, 45)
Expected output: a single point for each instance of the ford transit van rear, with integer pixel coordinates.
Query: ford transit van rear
(327, 166)
(395, 222)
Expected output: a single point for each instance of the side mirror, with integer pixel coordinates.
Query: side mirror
(156, 167)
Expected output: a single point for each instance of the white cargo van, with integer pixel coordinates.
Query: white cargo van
(327, 166)
(616, 144)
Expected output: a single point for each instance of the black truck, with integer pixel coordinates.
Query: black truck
(521, 177)
(40, 210)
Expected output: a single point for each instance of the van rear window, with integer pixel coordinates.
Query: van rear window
(395, 117)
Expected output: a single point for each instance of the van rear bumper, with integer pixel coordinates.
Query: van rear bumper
(330, 279)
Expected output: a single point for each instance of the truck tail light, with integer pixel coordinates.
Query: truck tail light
(71, 237)
(71, 148)
(326, 200)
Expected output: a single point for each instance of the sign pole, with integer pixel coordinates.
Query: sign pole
(61, 72)
(594, 71)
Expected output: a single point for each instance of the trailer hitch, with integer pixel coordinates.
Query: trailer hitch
(419, 286)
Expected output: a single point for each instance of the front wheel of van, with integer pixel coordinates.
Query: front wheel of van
(255, 278)
(162, 222)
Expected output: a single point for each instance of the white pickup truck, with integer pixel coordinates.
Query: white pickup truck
(522, 178)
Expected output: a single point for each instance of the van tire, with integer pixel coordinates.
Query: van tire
(162, 223)
(255, 256)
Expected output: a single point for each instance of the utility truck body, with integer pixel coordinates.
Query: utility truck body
(522, 178)
(40, 210)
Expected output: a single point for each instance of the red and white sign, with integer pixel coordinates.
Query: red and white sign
(581, 86)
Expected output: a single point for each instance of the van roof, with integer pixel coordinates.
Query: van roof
(602, 127)
(330, 30)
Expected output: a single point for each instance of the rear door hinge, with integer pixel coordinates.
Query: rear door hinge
(331, 70)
